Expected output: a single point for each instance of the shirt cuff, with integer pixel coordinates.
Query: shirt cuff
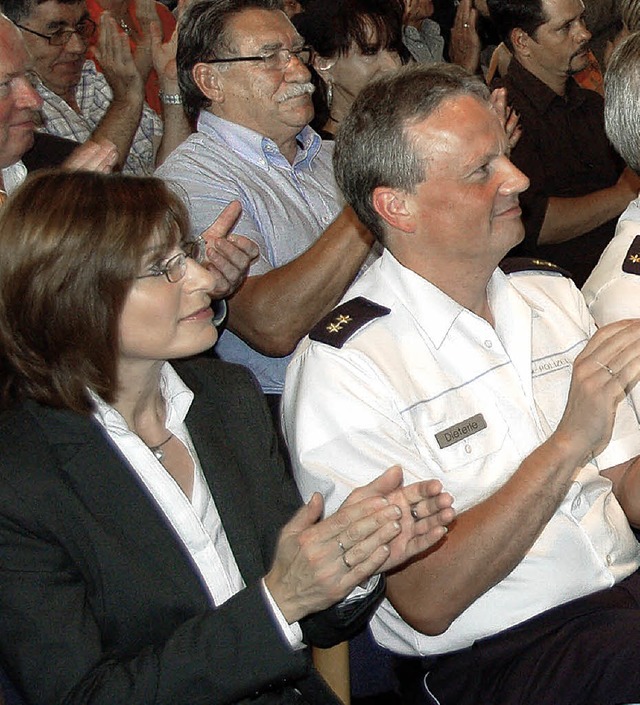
(291, 632)
(361, 591)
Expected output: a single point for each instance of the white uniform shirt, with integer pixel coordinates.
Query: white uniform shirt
(612, 294)
(430, 367)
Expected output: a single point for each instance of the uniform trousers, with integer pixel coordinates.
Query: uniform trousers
(585, 652)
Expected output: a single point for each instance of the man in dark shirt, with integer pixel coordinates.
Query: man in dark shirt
(579, 186)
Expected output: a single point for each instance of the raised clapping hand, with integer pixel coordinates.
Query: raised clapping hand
(92, 156)
(378, 527)
(604, 372)
(113, 52)
(229, 256)
(147, 19)
(465, 45)
(164, 54)
(508, 117)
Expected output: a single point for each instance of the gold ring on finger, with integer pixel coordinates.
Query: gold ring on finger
(605, 367)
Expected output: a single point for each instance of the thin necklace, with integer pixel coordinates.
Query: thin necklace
(158, 451)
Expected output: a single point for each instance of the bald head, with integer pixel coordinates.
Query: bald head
(18, 99)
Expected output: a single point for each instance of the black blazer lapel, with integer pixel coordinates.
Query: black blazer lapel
(227, 483)
(101, 479)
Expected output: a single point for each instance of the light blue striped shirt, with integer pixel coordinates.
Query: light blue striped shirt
(285, 207)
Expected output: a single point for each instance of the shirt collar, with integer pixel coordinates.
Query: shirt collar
(178, 398)
(257, 148)
(538, 93)
(435, 312)
(13, 176)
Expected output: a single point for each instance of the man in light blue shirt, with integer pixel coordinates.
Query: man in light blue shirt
(243, 73)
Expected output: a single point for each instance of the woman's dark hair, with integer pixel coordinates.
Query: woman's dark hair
(332, 26)
(72, 245)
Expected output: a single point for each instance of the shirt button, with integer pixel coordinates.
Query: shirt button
(609, 559)
(467, 448)
(488, 344)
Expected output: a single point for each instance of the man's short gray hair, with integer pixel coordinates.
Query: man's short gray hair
(630, 13)
(621, 98)
(373, 147)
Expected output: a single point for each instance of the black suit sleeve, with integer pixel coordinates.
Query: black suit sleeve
(69, 634)
(99, 601)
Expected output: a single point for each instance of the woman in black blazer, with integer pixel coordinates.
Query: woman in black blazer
(141, 559)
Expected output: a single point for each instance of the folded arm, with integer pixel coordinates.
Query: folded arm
(567, 218)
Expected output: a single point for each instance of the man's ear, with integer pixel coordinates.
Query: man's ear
(207, 78)
(394, 207)
(520, 41)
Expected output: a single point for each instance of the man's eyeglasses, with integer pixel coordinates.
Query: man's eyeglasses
(277, 60)
(84, 29)
(175, 268)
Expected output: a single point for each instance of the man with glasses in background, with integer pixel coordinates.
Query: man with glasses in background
(79, 102)
(243, 74)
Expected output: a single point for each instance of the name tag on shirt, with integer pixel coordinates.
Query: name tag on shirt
(461, 430)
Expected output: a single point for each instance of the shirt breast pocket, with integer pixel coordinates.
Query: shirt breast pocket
(469, 451)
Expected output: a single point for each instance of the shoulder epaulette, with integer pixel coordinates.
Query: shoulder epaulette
(512, 265)
(339, 325)
(631, 264)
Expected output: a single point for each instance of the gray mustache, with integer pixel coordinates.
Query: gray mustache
(296, 89)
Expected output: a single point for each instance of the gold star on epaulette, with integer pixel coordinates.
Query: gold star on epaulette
(631, 263)
(338, 323)
(346, 320)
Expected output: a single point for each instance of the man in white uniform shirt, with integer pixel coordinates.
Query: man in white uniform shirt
(497, 385)
(612, 291)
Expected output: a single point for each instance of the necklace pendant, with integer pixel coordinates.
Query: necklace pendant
(158, 453)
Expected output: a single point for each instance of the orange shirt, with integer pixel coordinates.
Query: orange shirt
(591, 76)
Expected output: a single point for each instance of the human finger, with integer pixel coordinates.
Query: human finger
(224, 223)
(237, 252)
(596, 391)
(513, 128)
(463, 12)
(308, 515)
(363, 538)
(433, 511)
(615, 346)
(622, 364)
(498, 102)
(145, 12)
(427, 514)
(424, 489)
(103, 42)
(386, 483)
(93, 156)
